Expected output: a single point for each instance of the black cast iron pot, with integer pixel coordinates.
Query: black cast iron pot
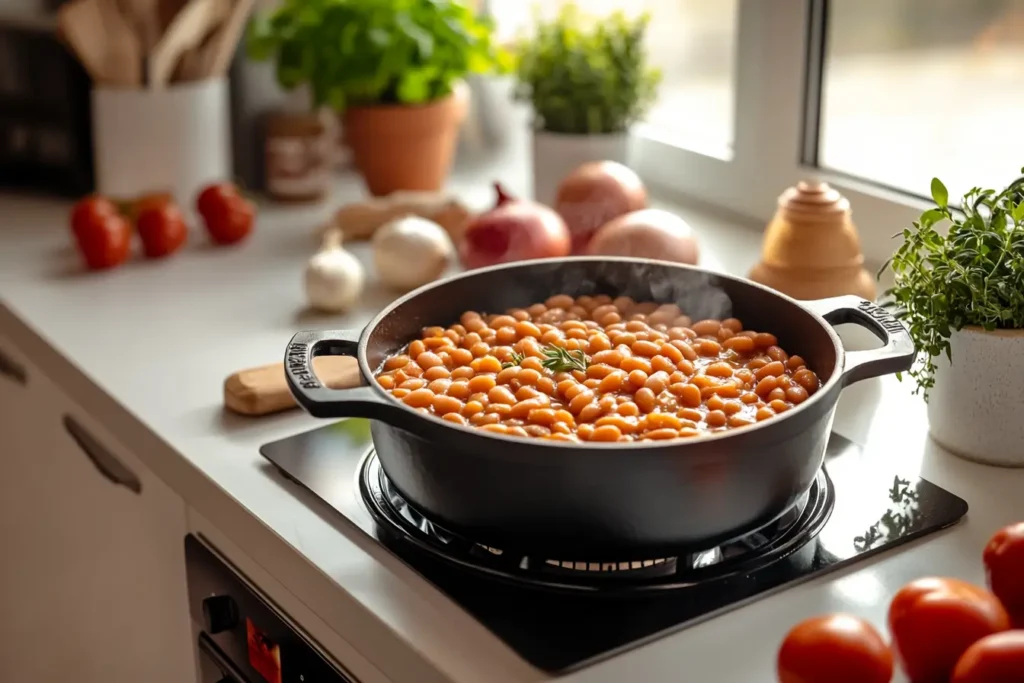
(594, 500)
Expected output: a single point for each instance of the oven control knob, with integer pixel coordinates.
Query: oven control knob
(220, 613)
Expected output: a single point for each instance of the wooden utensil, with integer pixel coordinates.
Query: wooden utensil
(80, 25)
(124, 51)
(217, 57)
(187, 30)
(144, 16)
(103, 41)
(264, 390)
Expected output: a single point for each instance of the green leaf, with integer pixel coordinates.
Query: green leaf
(939, 193)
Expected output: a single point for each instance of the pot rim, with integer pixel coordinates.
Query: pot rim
(819, 396)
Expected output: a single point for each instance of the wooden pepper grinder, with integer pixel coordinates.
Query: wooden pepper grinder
(811, 249)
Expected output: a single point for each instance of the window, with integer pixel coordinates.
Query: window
(874, 96)
(914, 89)
(691, 41)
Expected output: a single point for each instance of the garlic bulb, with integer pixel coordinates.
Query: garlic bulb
(334, 277)
(411, 251)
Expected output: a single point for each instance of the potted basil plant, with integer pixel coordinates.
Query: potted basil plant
(393, 69)
(961, 294)
(588, 82)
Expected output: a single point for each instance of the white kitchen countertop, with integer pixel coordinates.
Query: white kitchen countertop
(146, 348)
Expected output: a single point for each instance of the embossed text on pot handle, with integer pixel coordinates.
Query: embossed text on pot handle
(898, 353)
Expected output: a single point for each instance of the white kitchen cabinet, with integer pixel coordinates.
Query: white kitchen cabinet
(92, 575)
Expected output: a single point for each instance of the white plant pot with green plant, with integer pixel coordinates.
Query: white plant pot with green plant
(588, 82)
(961, 294)
(393, 69)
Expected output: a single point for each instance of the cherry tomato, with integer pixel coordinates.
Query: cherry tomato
(216, 196)
(998, 658)
(162, 229)
(230, 222)
(89, 212)
(104, 240)
(1004, 564)
(837, 648)
(933, 621)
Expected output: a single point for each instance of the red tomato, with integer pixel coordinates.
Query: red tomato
(162, 229)
(998, 658)
(104, 240)
(214, 197)
(837, 648)
(933, 621)
(1004, 564)
(91, 211)
(230, 222)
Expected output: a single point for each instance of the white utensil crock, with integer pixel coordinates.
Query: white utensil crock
(172, 140)
(556, 155)
(974, 409)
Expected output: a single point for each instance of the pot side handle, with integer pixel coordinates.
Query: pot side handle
(322, 401)
(897, 355)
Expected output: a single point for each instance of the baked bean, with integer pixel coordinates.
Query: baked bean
(690, 415)
(716, 418)
(645, 399)
(579, 401)
(439, 386)
(650, 372)
(657, 382)
(501, 394)
(436, 372)
(719, 370)
(447, 404)
(773, 369)
(636, 363)
(739, 344)
(796, 395)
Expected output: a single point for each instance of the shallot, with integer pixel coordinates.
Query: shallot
(514, 230)
(594, 194)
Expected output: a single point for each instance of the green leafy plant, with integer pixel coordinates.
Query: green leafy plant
(971, 275)
(367, 52)
(587, 77)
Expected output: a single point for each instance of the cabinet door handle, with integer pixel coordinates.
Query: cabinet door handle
(106, 462)
(12, 369)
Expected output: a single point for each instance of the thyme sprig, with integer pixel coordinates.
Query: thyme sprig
(517, 358)
(972, 275)
(557, 359)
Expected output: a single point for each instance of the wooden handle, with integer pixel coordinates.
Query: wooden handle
(263, 390)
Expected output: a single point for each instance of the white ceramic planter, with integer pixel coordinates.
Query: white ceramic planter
(174, 140)
(976, 408)
(555, 155)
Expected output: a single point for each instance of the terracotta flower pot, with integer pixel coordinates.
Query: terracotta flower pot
(405, 147)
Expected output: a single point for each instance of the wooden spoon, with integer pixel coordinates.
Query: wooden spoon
(103, 41)
(217, 58)
(188, 29)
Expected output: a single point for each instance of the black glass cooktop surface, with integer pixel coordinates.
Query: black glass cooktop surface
(561, 614)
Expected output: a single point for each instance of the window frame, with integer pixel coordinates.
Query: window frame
(779, 65)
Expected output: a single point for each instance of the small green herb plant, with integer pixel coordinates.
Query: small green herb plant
(369, 52)
(587, 77)
(972, 275)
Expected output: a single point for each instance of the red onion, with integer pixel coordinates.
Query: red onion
(594, 194)
(650, 233)
(514, 230)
